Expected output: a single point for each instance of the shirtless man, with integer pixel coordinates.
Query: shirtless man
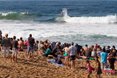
(86, 49)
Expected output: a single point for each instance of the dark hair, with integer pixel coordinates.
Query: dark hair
(14, 37)
(76, 44)
(30, 35)
(20, 38)
(46, 41)
(6, 35)
(72, 43)
(37, 41)
(113, 46)
(86, 45)
(104, 49)
(108, 47)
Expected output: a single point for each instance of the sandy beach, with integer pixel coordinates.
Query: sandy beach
(40, 68)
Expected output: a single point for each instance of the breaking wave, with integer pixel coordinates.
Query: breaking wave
(64, 17)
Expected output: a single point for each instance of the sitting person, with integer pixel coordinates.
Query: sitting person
(47, 51)
(58, 59)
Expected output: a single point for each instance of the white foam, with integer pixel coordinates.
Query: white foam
(6, 13)
(93, 20)
(24, 13)
(21, 29)
(11, 12)
(89, 20)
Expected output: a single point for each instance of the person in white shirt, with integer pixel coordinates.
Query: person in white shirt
(72, 54)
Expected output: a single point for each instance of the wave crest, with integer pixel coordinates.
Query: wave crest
(86, 19)
(13, 15)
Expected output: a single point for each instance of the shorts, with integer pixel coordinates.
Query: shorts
(65, 54)
(73, 57)
(30, 49)
(14, 51)
(6, 51)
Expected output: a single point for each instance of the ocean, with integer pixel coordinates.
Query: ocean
(82, 22)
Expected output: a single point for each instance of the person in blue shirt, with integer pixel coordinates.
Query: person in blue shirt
(103, 56)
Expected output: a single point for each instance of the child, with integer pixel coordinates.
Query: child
(89, 68)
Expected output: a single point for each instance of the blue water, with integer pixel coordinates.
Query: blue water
(45, 10)
(89, 22)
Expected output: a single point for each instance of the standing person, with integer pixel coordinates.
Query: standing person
(31, 42)
(112, 60)
(15, 49)
(89, 68)
(103, 56)
(99, 50)
(66, 49)
(0, 39)
(87, 52)
(0, 36)
(93, 53)
(6, 44)
(57, 48)
(98, 68)
(72, 54)
(113, 51)
(37, 47)
(41, 48)
(78, 48)
(108, 49)
(20, 44)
